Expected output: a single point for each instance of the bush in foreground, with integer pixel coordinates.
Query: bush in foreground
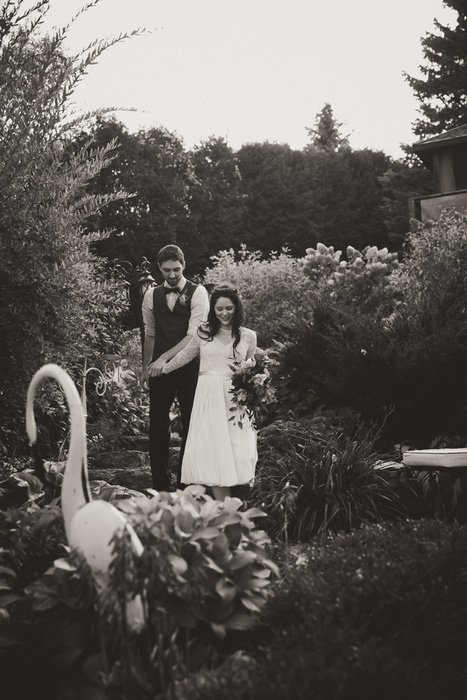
(203, 577)
(380, 613)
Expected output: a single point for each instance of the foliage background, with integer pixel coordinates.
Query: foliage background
(57, 303)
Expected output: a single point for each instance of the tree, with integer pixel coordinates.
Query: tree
(442, 91)
(56, 305)
(154, 167)
(400, 182)
(271, 215)
(217, 205)
(295, 199)
(347, 197)
(326, 135)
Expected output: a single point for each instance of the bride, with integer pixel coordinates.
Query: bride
(218, 453)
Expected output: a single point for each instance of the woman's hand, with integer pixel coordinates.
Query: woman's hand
(155, 368)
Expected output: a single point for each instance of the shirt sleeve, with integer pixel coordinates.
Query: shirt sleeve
(199, 309)
(184, 356)
(148, 314)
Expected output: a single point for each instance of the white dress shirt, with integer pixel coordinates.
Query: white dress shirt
(198, 310)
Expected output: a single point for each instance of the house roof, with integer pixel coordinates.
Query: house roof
(450, 137)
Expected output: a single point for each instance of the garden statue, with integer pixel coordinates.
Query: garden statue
(90, 525)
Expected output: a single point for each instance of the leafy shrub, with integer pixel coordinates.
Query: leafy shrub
(30, 539)
(46, 617)
(204, 574)
(234, 678)
(118, 412)
(380, 613)
(345, 358)
(401, 349)
(434, 267)
(57, 301)
(312, 482)
(18, 484)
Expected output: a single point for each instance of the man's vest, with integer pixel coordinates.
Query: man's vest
(171, 326)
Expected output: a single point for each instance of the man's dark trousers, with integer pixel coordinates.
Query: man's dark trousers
(162, 390)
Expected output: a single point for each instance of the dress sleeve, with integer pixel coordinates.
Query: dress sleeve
(184, 356)
(199, 309)
(251, 344)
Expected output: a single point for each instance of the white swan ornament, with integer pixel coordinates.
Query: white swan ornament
(89, 525)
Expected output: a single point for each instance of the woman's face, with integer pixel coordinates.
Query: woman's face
(224, 309)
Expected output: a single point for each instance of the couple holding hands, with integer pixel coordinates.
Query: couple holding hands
(190, 344)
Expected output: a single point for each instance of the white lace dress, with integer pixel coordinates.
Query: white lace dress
(217, 452)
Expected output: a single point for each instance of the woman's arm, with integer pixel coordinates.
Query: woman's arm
(184, 356)
(251, 344)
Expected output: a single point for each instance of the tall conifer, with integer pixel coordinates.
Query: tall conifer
(442, 89)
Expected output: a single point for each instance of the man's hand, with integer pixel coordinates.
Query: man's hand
(155, 368)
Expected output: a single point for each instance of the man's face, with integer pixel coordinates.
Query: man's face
(172, 271)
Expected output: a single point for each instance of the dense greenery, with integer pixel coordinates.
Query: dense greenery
(316, 477)
(389, 336)
(56, 302)
(203, 574)
(379, 613)
(348, 598)
(266, 196)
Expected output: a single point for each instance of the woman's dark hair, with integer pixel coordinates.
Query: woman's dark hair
(211, 328)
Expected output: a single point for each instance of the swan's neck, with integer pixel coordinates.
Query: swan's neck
(75, 486)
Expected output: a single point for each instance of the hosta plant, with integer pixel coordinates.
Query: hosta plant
(204, 572)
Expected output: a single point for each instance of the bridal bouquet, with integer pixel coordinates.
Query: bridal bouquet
(251, 388)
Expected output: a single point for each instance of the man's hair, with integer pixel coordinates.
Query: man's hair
(170, 252)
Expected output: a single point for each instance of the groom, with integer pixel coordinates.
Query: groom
(171, 315)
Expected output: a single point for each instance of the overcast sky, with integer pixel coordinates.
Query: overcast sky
(257, 70)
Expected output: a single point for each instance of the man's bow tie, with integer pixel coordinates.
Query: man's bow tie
(172, 290)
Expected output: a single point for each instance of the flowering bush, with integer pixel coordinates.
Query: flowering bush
(368, 278)
(388, 338)
(324, 261)
(251, 389)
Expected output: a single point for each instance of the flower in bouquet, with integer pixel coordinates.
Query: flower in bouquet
(251, 389)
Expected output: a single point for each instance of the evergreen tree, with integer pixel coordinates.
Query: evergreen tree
(442, 91)
(326, 135)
